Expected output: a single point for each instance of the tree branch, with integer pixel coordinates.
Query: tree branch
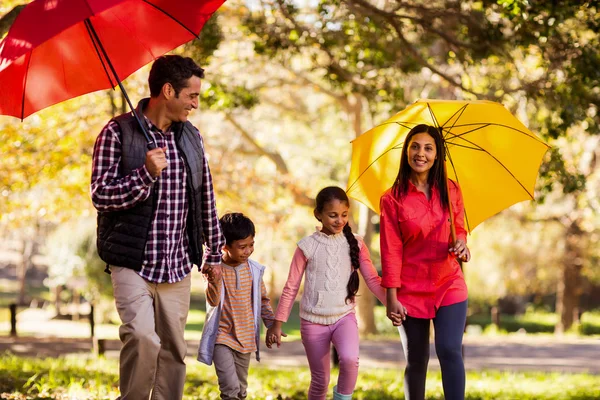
(299, 194)
(7, 20)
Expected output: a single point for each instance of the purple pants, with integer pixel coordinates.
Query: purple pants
(317, 341)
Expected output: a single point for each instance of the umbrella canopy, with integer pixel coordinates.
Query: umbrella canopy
(60, 49)
(494, 158)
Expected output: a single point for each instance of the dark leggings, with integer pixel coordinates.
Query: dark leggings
(449, 324)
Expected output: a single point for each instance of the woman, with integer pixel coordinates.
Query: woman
(419, 263)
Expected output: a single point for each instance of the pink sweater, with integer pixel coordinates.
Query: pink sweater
(298, 267)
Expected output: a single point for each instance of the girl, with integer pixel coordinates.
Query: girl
(331, 258)
(420, 271)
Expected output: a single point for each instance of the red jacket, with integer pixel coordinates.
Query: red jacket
(415, 237)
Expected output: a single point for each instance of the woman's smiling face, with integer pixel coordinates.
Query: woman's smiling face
(421, 153)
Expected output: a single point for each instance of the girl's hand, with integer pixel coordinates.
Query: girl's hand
(395, 311)
(460, 250)
(274, 335)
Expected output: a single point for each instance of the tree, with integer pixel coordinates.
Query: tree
(473, 49)
(47, 159)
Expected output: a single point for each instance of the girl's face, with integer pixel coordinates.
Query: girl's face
(333, 217)
(421, 153)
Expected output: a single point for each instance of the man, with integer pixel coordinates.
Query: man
(156, 209)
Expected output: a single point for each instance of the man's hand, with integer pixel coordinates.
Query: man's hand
(156, 161)
(212, 273)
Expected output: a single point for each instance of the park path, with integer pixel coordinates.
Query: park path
(511, 353)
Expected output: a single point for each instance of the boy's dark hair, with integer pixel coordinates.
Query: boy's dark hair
(336, 193)
(436, 173)
(236, 226)
(172, 69)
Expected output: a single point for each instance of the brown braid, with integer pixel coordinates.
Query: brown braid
(354, 259)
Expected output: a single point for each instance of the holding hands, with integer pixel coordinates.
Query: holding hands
(212, 273)
(395, 311)
(274, 334)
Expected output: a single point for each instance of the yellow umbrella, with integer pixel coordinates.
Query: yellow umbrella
(494, 158)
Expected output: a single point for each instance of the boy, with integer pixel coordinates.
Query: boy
(236, 301)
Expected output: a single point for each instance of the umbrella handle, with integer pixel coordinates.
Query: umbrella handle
(106, 62)
(450, 210)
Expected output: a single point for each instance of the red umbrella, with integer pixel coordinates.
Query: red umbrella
(60, 49)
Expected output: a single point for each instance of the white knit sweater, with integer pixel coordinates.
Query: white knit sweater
(327, 273)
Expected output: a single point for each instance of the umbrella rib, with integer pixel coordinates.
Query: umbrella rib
(25, 85)
(500, 163)
(447, 152)
(433, 118)
(460, 110)
(485, 125)
(402, 124)
(466, 147)
(172, 17)
(457, 181)
(395, 147)
(87, 27)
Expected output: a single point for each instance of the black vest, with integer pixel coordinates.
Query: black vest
(122, 235)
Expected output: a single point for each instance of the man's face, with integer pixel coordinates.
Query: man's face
(179, 107)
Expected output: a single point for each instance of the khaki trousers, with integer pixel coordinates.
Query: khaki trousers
(232, 371)
(153, 317)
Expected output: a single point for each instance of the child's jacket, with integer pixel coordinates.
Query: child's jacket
(213, 316)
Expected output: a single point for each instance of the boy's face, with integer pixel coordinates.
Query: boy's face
(239, 251)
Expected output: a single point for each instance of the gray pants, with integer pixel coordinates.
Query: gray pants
(232, 371)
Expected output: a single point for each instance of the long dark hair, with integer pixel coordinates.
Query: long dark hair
(436, 173)
(326, 195)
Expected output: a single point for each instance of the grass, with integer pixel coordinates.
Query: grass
(84, 378)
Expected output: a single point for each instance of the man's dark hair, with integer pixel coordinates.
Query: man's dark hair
(236, 226)
(172, 69)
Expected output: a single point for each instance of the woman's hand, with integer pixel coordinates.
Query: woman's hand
(395, 311)
(274, 334)
(460, 250)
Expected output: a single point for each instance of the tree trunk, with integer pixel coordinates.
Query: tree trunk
(365, 300)
(22, 270)
(569, 285)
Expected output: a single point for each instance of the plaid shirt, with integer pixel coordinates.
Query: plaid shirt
(166, 257)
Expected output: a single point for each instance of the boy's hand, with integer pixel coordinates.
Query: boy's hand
(274, 335)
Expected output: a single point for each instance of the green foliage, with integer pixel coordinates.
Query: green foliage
(202, 48)
(85, 378)
(218, 97)
(536, 322)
